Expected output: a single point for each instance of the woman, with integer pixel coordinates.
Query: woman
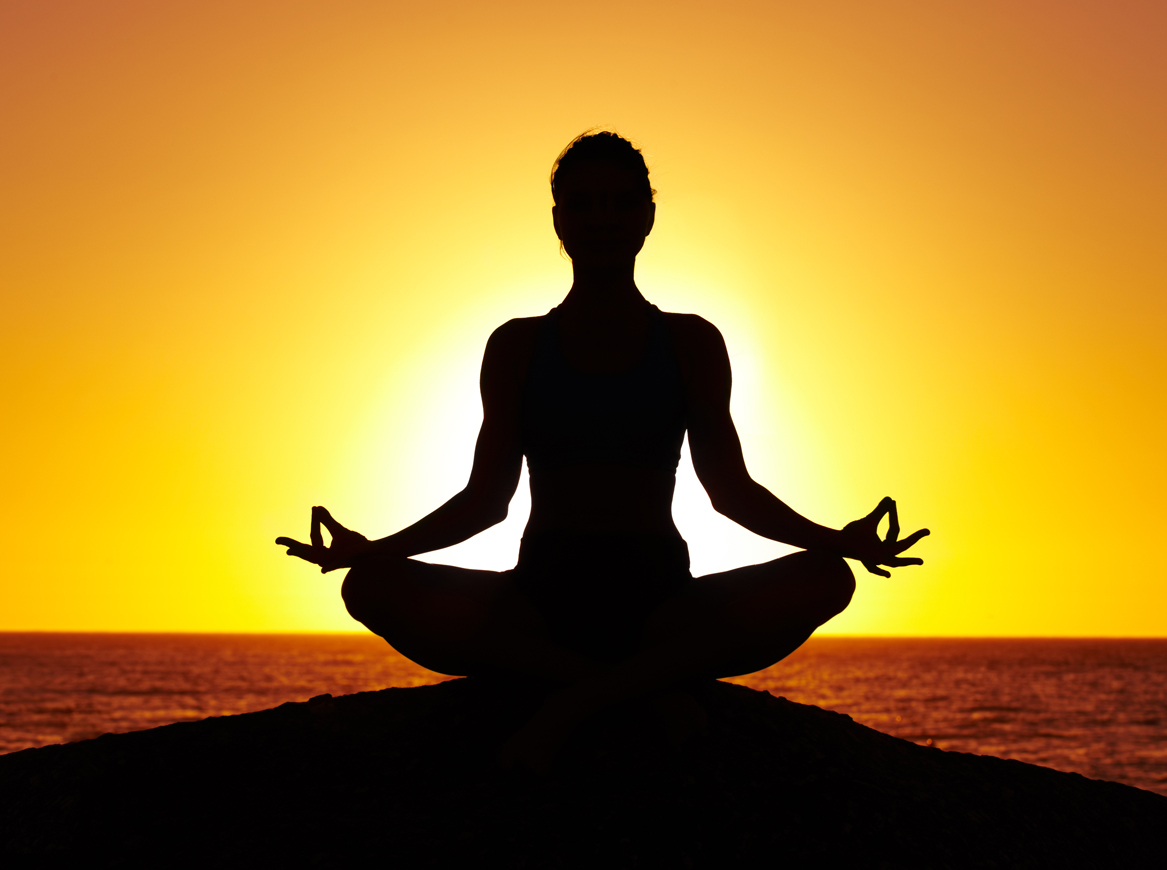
(598, 394)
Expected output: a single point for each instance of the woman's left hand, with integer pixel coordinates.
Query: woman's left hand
(344, 550)
(861, 541)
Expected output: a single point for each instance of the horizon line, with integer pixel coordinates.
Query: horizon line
(366, 633)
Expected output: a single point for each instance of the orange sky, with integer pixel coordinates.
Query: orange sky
(251, 251)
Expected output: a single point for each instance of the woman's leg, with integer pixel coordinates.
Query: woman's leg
(458, 621)
(745, 620)
(723, 624)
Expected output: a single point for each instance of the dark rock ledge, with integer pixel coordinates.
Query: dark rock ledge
(404, 778)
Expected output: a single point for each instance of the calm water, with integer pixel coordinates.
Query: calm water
(1096, 707)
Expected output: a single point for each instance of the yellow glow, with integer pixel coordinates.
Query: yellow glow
(251, 252)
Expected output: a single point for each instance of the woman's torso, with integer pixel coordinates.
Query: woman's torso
(603, 421)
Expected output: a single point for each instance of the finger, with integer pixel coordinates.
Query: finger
(882, 508)
(875, 569)
(301, 551)
(314, 536)
(898, 562)
(911, 539)
(893, 524)
(329, 523)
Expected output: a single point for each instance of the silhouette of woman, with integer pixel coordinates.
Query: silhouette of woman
(598, 394)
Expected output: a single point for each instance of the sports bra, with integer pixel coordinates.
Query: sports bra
(635, 417)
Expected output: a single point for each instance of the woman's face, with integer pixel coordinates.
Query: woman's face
(602, 216)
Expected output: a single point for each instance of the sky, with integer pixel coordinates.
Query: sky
(251, 251)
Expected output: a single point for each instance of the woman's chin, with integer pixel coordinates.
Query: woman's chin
(606, 252)
(604, 261)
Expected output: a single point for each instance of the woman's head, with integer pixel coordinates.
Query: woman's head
(600, 147)
(603, 202)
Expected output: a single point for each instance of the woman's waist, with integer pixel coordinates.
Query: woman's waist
(604, 481)
(602, 499)
(608, 553)
(561, 538)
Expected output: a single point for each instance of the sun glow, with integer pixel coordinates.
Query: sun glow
(251, 255)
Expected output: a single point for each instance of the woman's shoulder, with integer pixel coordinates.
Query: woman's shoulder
(517, 326)
(520, 331)
(509, 347)
(699, 348)
(693, 333)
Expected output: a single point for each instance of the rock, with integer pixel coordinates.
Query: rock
(405, 778)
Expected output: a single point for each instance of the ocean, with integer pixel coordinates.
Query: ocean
(1092, 706)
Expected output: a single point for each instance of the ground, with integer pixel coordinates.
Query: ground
(406, 778)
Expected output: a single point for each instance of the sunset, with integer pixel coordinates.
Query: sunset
(252, 254)
(298, 293)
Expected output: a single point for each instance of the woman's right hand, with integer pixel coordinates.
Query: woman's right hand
(345, 549)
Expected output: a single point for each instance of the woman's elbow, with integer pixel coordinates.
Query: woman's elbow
(487, 501)
(496, 513)
(490, 508)
(724, 501)
(730, 497)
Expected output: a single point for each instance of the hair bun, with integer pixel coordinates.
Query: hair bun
(600, 146)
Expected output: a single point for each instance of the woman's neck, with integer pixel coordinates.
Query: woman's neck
(603, 292)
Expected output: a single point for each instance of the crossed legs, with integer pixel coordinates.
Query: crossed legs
(463, 622)
(458, 621)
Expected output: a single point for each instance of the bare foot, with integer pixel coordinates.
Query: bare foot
(680, 716)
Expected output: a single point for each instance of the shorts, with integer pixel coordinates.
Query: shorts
(596, 591)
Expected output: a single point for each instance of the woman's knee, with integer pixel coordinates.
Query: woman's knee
(409, 602)
(838, 582)
(831, 579)
(366, 587)
(354, 591)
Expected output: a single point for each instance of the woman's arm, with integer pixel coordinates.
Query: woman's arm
(720, 466)
(494, 476)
